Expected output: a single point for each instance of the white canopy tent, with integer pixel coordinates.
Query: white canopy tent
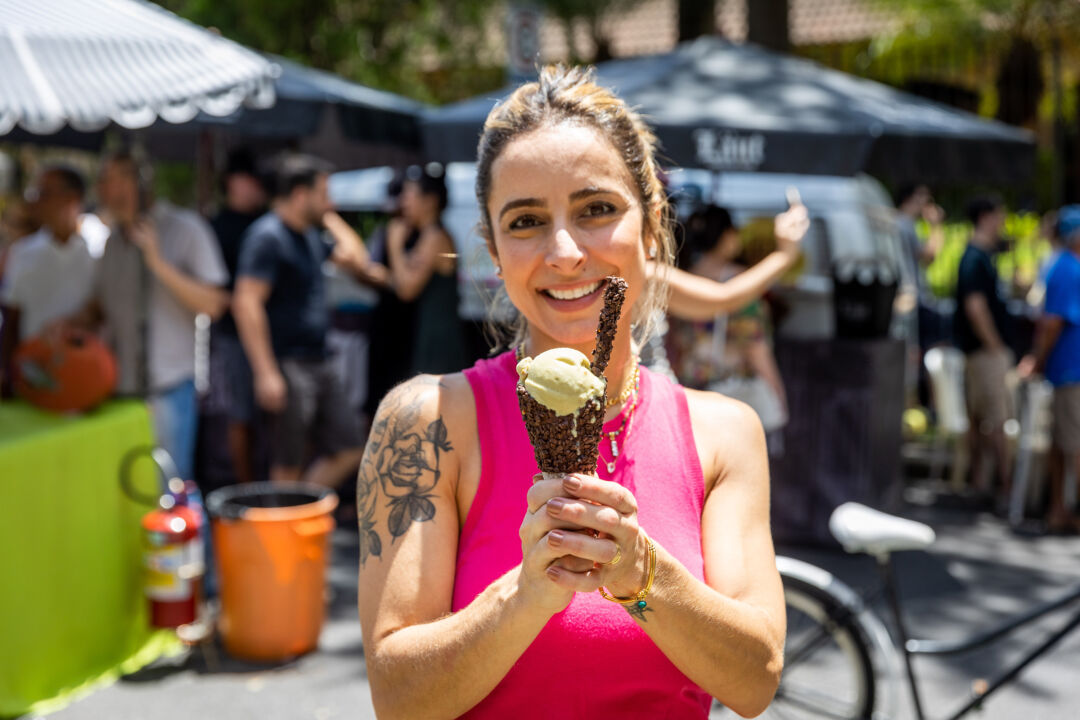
(85, 65)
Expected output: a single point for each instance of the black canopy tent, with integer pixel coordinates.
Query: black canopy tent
(717, 105)
(305, 96)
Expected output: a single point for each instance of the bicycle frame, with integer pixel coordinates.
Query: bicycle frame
(912, 647)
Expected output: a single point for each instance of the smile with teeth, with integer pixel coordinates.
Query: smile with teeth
(573, 293)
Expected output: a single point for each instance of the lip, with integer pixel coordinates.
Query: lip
(577, 303)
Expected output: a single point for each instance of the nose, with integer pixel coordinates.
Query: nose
(564, 253)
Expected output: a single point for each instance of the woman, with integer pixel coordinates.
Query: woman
(479, 581)
(729, 353)
(423, 270)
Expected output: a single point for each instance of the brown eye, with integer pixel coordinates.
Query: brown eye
(524, 222)
(598, 209)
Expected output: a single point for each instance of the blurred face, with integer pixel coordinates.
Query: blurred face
(315, 201)
(54, 205)
(730, 244)
(990, 223)
(119, 191)
(564, 215)
(416, 207)
(244, 193)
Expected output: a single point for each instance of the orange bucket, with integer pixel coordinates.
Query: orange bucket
(271, 543)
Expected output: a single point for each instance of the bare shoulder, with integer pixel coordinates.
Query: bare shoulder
(728, 434)
(413, 458)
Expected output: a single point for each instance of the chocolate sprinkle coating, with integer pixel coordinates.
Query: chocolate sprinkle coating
(608, 326)
(558, 448)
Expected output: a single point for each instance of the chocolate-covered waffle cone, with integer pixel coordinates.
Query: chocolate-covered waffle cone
(569, 443)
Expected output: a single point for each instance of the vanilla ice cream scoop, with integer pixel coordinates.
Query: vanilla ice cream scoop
(560, 379)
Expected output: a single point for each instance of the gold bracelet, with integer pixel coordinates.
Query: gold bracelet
(639, 597)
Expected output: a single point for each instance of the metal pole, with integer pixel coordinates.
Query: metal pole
(885, 567)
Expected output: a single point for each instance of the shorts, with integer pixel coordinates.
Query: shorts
(1067, 418)
(989, 403)
(316, 414)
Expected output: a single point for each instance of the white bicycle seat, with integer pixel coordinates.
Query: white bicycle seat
(862, 529)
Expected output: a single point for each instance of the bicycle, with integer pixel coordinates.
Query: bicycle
(842, 662)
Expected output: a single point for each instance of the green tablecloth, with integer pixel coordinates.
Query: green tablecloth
(72, 613)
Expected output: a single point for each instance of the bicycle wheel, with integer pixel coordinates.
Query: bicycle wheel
(827, 668)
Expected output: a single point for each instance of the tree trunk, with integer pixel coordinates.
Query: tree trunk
(767, 23)
(696, 18)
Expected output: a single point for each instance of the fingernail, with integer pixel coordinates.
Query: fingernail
(571, 483)
(556, 505)
(555, 537)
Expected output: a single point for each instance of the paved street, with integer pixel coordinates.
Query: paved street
(978, 572)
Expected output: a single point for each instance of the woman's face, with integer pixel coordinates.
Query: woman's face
(564, 215)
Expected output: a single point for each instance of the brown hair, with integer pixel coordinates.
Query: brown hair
(570, 95)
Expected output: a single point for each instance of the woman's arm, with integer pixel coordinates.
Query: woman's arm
(351, 254)
(422, 661)
(727, 633)
(698, 298)
(410, 270)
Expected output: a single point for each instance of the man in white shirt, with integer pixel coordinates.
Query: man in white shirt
(161, 268)
(50, 274)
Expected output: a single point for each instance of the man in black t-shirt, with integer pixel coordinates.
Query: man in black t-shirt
(282, 315)
(981, 327)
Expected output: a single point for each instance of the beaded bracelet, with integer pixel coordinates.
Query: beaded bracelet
(638, 598)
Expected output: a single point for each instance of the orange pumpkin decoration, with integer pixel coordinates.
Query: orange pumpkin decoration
(70, 371)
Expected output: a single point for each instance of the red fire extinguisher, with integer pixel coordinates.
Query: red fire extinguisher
(173, 559)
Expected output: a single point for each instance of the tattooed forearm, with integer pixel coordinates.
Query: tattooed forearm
(401, 468)
(638, 610)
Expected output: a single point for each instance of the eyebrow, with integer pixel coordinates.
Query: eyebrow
(537, 202)
(521, 202)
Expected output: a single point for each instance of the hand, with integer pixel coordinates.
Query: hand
(790, 228)
(587, 503)
(144, 236)
(1027, 367)
(271, 391)
(549, 576)
(933, 214)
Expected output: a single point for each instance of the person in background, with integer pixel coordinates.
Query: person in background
(245, 202)
(423, 268)
(731, 353)
(392, 320)
(161, 268)
(282, 317)
(914, 203)
(982, 331)
(50, 274)
(16, 223)
(1057, 354)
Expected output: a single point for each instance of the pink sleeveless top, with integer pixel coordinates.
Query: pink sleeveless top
(591, 658)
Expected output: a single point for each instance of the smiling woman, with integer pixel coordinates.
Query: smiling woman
(644, 587)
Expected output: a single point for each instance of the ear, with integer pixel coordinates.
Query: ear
(494, 255)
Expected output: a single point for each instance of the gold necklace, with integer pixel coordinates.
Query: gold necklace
(624, 426)
(630, 387)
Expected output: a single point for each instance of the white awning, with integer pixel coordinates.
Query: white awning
(86, 63)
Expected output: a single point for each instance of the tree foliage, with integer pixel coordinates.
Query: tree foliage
(426, 49)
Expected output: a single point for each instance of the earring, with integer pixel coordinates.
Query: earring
(652, 252)
(498, 270)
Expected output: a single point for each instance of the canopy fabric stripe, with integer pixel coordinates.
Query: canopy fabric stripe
(87, 64)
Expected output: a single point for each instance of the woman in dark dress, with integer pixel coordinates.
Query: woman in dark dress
(423, 269)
